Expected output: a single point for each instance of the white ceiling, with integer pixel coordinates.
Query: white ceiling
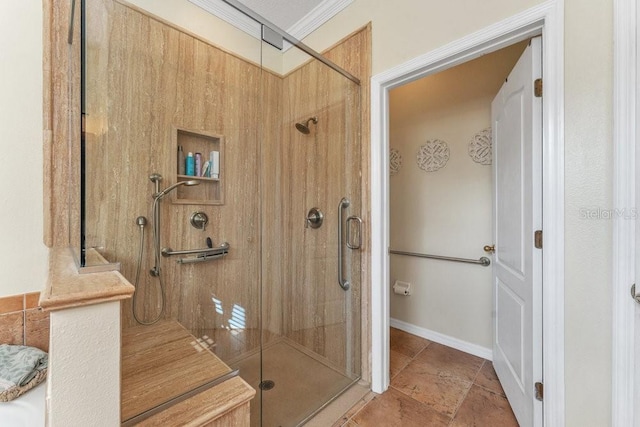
(284, 13)
(299, 18)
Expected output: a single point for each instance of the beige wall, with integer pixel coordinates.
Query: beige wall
(588, 183)
(446, 212)
(23, 256)
(405, 29)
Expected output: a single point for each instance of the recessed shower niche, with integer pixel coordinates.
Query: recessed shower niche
(205, 143)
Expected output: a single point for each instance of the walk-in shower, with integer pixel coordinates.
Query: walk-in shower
(255, 287)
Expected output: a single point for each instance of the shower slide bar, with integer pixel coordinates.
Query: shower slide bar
(202, 255)
(483, 261)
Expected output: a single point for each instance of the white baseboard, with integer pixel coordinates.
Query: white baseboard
(467, 347)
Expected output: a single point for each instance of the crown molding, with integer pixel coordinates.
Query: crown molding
(318, 16)
(305, 26)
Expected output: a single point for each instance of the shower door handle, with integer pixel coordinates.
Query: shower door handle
(358, 243)
(344, 283)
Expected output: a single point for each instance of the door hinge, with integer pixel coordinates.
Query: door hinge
(537, 88)
(635, 297)
(539, 391)
(537, 239)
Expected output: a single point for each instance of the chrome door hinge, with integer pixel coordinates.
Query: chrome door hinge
(539, 391)
(537, 239)
(537, 88)
(635, 297)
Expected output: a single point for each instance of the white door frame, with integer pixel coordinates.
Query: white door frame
(546, 19)
(625, 96)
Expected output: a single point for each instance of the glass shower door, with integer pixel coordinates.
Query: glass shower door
(310, 154)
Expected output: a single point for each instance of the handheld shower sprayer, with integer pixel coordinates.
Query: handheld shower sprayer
(156, 178)
(161, 194)
(157, 196)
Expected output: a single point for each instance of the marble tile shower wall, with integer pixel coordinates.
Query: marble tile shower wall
(23, 322)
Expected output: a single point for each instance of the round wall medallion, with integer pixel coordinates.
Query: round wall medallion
(480, 147)
(433, 155)
(395, 161)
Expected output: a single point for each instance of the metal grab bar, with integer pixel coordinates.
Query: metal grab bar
(483, 261)
(203, 252)
(201, 258)
(344, 284)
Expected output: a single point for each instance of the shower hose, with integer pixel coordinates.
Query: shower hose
(156, 245)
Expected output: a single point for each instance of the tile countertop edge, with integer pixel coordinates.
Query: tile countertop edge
(67, 288)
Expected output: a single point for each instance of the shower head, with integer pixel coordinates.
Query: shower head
(304, 127)
(167, 190)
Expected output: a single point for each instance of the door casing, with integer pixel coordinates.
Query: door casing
(625, 385)
(546, 19)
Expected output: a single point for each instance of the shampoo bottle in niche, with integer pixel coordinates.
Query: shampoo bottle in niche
(198, 164)
(180, 160)
(214, 159)
(206, 169)
(190, 164)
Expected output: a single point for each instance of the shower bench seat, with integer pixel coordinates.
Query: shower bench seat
(163, 362)
(85, 326)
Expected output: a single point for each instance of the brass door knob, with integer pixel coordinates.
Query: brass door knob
(490, 249)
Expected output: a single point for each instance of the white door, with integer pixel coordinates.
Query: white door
(516, 115)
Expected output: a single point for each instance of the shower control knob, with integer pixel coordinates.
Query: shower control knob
(199, 220)
(314, 218)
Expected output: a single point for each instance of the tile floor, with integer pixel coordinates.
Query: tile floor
(433, 385)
